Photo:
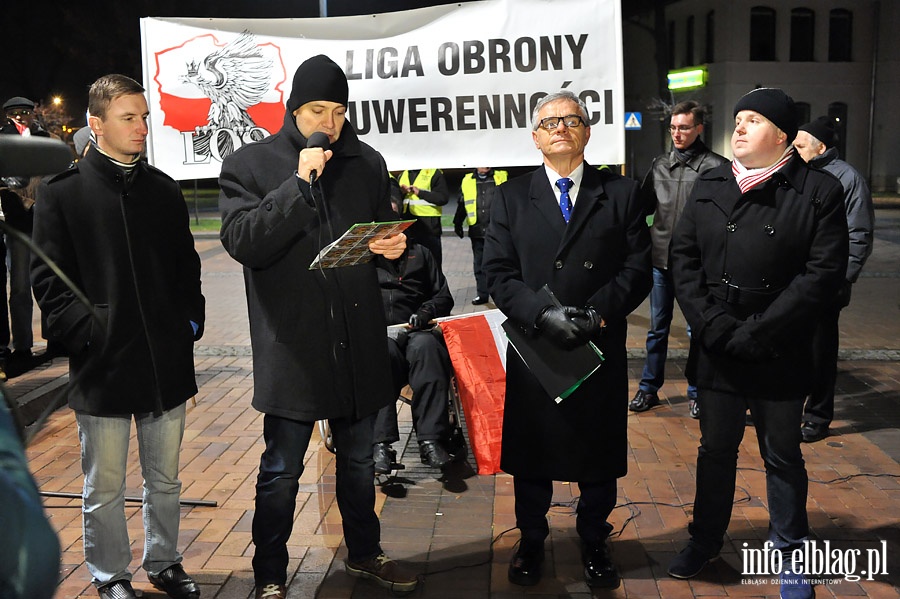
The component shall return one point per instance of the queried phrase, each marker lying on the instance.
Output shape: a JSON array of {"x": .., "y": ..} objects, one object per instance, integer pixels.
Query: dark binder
[{"x": 560, "y": 371}]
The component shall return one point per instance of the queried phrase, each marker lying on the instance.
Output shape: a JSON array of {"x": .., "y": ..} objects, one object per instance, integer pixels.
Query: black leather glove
[
  {"x": 743, "y": 346},
  {"x": 843, "y": 296},
  {"x": 589, "y": 322},
  {"x": 556, "y": 324},
  {"x": 421, "y": 319},
  {"x": 457, "y": 228}
]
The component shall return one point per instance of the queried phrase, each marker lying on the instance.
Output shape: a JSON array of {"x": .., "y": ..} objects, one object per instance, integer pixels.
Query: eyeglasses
[
  {"x": 552, "y": 122},
  {"x": 23, "y": 112},
  {"x": 680, "y": 128}
]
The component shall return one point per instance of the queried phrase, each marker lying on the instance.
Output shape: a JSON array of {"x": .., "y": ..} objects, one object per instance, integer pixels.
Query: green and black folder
[{"x": 560, "y": 371}]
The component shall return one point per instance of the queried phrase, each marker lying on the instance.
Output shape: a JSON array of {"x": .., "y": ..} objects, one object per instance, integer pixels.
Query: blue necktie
[{"x": 565, "y": 202}]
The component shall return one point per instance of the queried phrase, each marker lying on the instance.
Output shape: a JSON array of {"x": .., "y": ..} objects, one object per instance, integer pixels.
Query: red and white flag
[{"x": 477, "y": 347}]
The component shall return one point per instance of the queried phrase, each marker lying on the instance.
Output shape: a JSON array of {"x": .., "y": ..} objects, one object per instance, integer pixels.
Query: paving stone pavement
[{"x": 455, "y": 528}]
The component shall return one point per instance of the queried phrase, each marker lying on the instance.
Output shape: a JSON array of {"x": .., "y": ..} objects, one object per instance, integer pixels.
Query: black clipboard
[{"x": 560, "y": 371}]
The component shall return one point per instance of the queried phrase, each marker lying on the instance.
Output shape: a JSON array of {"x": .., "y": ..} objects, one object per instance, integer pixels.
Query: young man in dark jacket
[
  {"x": 318, "y": 336},
  {"x": 414, "y": 292},
  {"x": 760, "y": 248},
  {"x": 118, "y": 228},
  {"x": 665, "y": 191}
]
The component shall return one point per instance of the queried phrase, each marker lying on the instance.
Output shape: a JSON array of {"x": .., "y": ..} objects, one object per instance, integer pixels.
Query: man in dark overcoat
[
  {"x": 119, "y": 229},
  {"x": 581, "y": 231},
  {"x": 318, "y": 336},
  {"x": 759, "y": 251}
]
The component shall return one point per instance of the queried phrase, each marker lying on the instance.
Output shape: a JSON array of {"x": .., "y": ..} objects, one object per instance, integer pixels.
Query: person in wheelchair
[{"x": 415, "y": 291}]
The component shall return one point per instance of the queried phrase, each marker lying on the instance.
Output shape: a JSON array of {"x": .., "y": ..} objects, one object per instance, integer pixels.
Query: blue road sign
[{"x": 632, "y": 121}]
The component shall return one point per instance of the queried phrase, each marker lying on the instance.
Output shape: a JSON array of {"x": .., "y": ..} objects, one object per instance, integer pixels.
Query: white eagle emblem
[{"x": 234, "y": 78}]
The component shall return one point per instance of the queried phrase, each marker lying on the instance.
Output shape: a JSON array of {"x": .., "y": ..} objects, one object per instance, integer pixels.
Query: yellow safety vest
[
  {"x": 413, "y": 203},
  {"x": 469, "y": 189}
]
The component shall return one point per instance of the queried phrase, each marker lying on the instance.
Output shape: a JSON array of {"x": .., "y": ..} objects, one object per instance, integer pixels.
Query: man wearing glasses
[
  {"x": 580, "y": 231},
  {"x": 664, "y": 191}
]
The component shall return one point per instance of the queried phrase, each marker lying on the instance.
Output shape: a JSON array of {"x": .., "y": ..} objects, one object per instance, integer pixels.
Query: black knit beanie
[
  {"x": 773, "y": 104},
  {"x": 822, "y": 129},
  {"x": 318, "y": 78}
]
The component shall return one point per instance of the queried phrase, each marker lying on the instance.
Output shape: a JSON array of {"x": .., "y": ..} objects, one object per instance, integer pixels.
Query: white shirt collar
[{"x": 575, "y": 176}]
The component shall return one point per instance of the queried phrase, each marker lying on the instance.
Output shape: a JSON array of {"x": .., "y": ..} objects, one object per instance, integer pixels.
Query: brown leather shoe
[
  {"x": 271, "y": 591},
  {"x": 384, "y": 572}
]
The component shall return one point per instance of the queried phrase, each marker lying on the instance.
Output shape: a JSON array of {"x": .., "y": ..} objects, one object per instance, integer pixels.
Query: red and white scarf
[{"x": 748, "y": 178}]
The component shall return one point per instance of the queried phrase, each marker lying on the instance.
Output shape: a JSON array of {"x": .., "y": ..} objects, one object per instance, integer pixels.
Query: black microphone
[{"x": 317, "y": 140}]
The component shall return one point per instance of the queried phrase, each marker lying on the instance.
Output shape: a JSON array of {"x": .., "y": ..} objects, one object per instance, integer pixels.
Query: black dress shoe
[
  {"x": 384, "y": 457},
  {"x": 813, "y": 431},
  {"x": 120, "y": 589},
  {"x": 643, "y": 401},
  {"x": 175, "y": 582},
  {"x": 689, "y": 563},
  {"x": 434, "y": 454},
  {"x": 599, "y": 570},
  {"x": 525, "y": 565},
  {"x": 479, "y": 300}
]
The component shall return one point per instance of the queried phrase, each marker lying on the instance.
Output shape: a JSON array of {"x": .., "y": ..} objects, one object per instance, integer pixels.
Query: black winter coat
[
  {"x": 412, "y": 282},
  {"x": 318, "y": 336},
  {"x": 125, "y": 242},
  {"x": 601, "y": 258},
  {"x": 752, "y": 272}
]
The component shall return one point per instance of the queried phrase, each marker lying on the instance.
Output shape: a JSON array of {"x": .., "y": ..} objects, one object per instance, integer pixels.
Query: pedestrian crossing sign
[{"x": 632, "y": 121}]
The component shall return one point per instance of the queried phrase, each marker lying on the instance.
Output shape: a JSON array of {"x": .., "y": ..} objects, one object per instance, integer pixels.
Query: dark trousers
[
  {"x": 722, "y": 423},
  {"x": 481, "y": 286},
  {"x": 826, "y": 340},
  {"x": 423, "y": 363},
  {"x": 595, "y": 504},
  {"x": 278, "y": 482}
]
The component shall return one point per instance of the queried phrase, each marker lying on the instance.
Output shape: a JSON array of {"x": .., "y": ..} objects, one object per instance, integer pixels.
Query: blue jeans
[
  {"x": 104, "y": 457},
  {"x": 722, "y": 428},
  {"x": 278, "y": 483},
  {"x": 662, "y": 305}
]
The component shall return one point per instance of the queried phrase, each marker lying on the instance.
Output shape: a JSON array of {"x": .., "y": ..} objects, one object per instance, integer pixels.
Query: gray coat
[
  {"x": 318, "y": 337},
  {"x": 859, "y": 208},
  {"x": 601, "y": 258},
  {"x": 665, "y": 191}
]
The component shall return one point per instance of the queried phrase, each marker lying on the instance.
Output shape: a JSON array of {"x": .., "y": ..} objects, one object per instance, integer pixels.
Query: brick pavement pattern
[{"x": 455, "y": 528}]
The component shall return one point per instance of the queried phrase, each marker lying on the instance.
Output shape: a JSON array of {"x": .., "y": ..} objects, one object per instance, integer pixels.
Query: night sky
[{"x": 57, "y": 47}]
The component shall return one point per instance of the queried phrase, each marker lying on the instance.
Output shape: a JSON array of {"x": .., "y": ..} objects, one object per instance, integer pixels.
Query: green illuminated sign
[{"x": 687, "y": 78}]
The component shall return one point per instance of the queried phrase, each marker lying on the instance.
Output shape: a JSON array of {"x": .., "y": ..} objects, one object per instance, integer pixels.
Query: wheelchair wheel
[
  {"x": 457, "y": 444},
  {"x": 326, "y": 434}
]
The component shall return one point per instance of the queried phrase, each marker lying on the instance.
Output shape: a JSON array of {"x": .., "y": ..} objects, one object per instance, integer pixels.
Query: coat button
[
  {"x": 269, "y": 206},
  {"x": 343, "y": 345},
  {"x": 769, "y": 229},
  {"x": 765, "y": 283},
  {"x": 558, "y": 264},
  {"x": 731, "y": 227},
  {"x": 588, "y": 264},
  {"x": 726, "y": 278},
  {"x": 124, "y": 195}
]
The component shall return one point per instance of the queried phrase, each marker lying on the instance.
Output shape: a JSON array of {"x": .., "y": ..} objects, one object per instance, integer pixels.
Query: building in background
[{"x": 835, "y": 57}]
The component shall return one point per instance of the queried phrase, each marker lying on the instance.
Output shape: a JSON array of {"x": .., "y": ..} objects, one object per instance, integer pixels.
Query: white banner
[{"x": 448, "y": 86}]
